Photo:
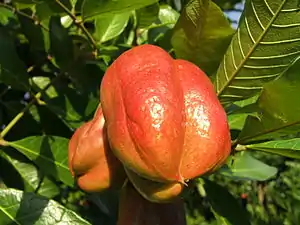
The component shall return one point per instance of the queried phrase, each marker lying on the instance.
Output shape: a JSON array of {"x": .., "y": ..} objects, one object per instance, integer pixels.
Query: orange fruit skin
[
  {"x": 164, "y": 120},
  {"x": 91, "y": 159}
]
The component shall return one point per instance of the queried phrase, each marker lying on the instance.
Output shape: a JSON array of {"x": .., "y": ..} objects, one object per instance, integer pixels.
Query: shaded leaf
[
  {"x": 49, "y": 153},
  {"x": 33, "y": 180},
  {"x": 12, "y": 69},
  {"x": 277, "y": 111},
  {"x": 226, "y": 208},
  {"x": 147, "y": 15},
  {"x": 37, "y": 37},
  {"x": 289, "y": 148},
  {"x": 17, "y": 207},
  {"x": 91, "y": 8},
  {"x": 242, "y": 166},
  {"x": 71, "y": 107},
  {"x": 110, "y": 26},
  {"x": 202, "y": 34},
  {"x": 6, "y": 16},
  {"x": 264, "y": 46},
  {"x": 61, "y": 43},
  {"x": 46, "y": 9}
]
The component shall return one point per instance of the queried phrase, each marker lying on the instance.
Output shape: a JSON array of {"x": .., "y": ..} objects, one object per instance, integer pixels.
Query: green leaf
[
  {"x": 61, "y": 43},
  {"x": 202, "y": 34},
  {"x": 160, "y": 32},
  {"x": 264, "y": 46},
  {"x": 226, "y": 208},
  {"x": 6, "y": 16},
  {"x": 21, "y": 208},
  {"x": 49, "y": 153},
  {"x": 289, "y": 148},
  {"x": 242, "y": 166},
  {"x": 147, "y": 15},
  {"x": 237, "y": 121},
  {"x": 277, "y": 111},
  {"x": 33, "y": 179},
  {"x": 167, "y": 16},
  {"x": 46, "y": 9},
  {"x": 12, "y": 69},
  {"x": 91, "y": 8},
  {"x": 110, "y": 26}
]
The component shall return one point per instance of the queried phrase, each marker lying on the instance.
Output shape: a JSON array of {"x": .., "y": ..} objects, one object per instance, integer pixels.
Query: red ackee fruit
[{"x": 163, "y": 118}]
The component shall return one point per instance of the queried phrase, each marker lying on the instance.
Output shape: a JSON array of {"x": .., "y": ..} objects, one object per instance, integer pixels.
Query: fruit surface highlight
[{"x": 163, "y": 118}]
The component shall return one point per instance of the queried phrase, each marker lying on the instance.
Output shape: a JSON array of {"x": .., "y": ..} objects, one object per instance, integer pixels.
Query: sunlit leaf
[
  {"x": 34, "y": 181},
  {"x": 277, "y": 111},
  {"x": 49, "y": 153},
  {"x": 264, "y": 46},
  {"x": 6, "y": 16},
  {"x": 242, "y": 166},
  {"x": 289, "y": 148},
  {"x": 91, "y": 8},
  {"x": 202, "y": 34},
  {"x": 110, "y": 26},
  {"x": 237, "y": 121},
  {"x": 17, "y": 207}
]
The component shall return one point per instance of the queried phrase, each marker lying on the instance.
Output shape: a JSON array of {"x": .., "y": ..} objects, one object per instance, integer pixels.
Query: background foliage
[{"x": 53, "y": 55}]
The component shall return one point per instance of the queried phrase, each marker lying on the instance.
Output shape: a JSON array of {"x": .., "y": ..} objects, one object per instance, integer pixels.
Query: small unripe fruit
[{"x": 91, "y": 159}]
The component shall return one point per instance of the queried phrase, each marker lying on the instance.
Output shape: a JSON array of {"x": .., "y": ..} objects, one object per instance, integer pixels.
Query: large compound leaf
[
  {"x": 277, "y": 109},
  {"x": 264, "y": 46},
  {"x": 91, "y": 8},
  {"x": 21, "y": 208},
  {"x": 50, "y": 153},
  {"x": 289, "y": 148},
  {"x": 202, "y": 34}
]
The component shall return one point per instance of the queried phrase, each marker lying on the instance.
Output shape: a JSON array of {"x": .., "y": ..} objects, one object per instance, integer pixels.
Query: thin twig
[
  {"x": 33, "y": 18},
  {"x": 79, "y": 24},
  {"x": 36, "y": 98}
]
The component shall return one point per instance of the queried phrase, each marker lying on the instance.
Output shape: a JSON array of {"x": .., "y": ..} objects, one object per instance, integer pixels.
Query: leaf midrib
[
  {"x": 242, "y": 140},
  {"x": 252, "y": 49},
  {"x": 12, "y": 144},
  {"x": 9, "y": 216}
]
